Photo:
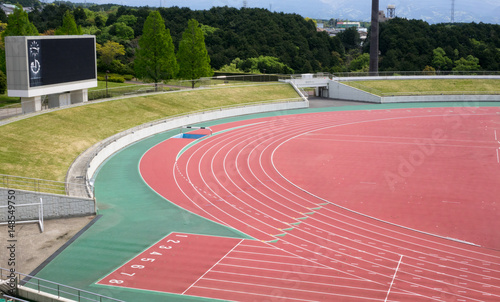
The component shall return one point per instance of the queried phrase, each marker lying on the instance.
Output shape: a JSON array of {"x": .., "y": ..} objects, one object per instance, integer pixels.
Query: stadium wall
[
  {"x": 54, "y": 206},
  {"x": 341, "y": 91}
]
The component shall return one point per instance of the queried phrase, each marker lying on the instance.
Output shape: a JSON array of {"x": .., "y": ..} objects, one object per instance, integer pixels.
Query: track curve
[{"x": 319, "y": 237}]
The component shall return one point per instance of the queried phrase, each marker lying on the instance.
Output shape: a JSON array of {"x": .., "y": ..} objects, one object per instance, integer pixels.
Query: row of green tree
[
  {"x": 408, "y": 45},
  {"x": 257, "y": 40},
  {"x": 155, "y": 57},
  {"x": 230, "y": 34}
]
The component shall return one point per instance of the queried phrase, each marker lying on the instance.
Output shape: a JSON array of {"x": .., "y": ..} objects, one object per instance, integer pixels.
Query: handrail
[
  {"x": 36, "y": 184},
  {"x": 61, "y": 290}
]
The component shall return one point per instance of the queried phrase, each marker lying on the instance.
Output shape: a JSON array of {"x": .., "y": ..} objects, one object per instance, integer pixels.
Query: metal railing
[
  {"x": 136, "y": 89},
  {"x": 10, "y": 110},
  {"x": 390, "y": 74},
  {"x": 130, "y": 90},
  {"x": 53, "y": 288},
  {"x": 36, "y": 184},
  {"x": 416, "y": 73},
  {"x": 16, "y": 108}
]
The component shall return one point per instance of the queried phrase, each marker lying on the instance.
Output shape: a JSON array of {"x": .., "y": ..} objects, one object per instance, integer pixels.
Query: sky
[{"x": 433, "y": 11}]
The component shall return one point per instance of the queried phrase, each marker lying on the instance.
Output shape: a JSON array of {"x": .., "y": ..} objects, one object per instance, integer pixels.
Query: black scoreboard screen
[{"x": 56, "y": 61}]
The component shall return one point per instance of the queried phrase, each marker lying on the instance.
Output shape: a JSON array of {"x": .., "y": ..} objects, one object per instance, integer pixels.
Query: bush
[
  {"x": 111, "y": 78},
  {"x": 128, "y": 77},
  {"x": 3, "y": 82}
]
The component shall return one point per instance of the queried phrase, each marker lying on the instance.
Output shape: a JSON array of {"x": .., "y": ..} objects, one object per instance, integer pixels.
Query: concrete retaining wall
[
  {"x": 341, "y": 91},
  {"x": 440, "y": 98},
  {"x": 54, "y": 206},
  {"x": 173, "y": 123}
]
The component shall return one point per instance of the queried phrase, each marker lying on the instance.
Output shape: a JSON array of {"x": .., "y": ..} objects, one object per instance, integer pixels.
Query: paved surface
[
  {"x": 34, "y": 247},
  {"x": 317, "y": 102}
]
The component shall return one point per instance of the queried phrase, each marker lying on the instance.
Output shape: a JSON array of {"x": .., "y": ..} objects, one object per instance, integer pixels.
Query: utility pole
[
  {"x": 374, "y": 39},
  {"x": 452, "y": 11}
]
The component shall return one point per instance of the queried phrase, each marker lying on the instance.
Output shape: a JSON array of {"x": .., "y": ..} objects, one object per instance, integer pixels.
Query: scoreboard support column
[
  {"x": 79, "y": 96},
  {"x": 31, "y": 104},
  {"x": 59, "y": 100}
]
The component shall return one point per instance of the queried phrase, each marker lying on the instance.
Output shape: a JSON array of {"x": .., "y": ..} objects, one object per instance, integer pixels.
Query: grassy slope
[
  {"x": 44, "y": 146},
  {"x": 415, "y": 87}
]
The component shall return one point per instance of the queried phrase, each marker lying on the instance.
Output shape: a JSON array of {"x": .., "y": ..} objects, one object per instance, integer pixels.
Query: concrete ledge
[{"x": 34, "y": 295}]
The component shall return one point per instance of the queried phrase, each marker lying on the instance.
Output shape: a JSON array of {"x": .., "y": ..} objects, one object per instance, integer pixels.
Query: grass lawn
[
  {"x": 421, "y": 87},
  {"x": 7, "y": 100},
  {"x": 44, "y": 146},
  {"x": 102, "y": 85}
]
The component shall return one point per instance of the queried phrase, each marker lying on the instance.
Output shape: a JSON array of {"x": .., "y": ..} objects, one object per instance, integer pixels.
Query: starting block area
[{"x": 173, "y": 264}]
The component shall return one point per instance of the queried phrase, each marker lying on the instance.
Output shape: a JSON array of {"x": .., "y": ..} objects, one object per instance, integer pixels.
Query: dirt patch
[{"x": 34, "y": 247}]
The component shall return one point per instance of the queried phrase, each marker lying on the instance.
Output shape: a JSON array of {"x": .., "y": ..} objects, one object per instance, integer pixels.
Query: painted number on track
[{"x": 140, "y": 266}]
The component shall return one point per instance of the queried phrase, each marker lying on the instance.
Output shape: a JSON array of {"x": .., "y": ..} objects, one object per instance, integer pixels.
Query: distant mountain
[{"x": 432, "y": 11}]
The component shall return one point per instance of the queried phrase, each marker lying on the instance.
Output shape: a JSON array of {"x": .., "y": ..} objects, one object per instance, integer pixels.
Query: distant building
[
  {"x": 363, "y": 33},
  {"x": 9, "y": 8},
  {"x": 381, "y": 16},
  {"x": 345, "y": 25},
  {"x": 391, "y": 13}
]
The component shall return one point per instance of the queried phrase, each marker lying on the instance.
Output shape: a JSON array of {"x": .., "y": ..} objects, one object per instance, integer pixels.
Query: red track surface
[
  {"x": 173, "y": 264},
  {"x": 294, "y": 182}
]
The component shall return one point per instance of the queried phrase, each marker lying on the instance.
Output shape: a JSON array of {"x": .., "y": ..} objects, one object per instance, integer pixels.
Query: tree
[
  {"x": 440, "y": 61},
  {"x": 3, "y": 82},
  {"x": 429, "y": 70},
  {"x": 361, "y": 63},
  {"x": 80, "y": 15},
  {"x": 121, "y": 31},
  {"x": 194, "y": 62},
  {"x": 18, "y": 25},
  {"x": 3, "y": 16},
  {"x": 129, "y": 20},
  {"x": 109, "y": 51},
  {"x": 155, "y": 59},
  {"x": 69, "y": 26},
  {"x": 99, "y": 21},
  {"x": 350, "y": 38},
  {"x": 263, "y": 64},
  {"x": 470, "y": 63}
]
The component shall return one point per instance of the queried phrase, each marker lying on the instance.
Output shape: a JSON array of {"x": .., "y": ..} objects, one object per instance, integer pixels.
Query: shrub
[
  {"x": 128, "y": 77},
  {"x": 111, "y": 78},
  {"x": 3, "y": 82}
]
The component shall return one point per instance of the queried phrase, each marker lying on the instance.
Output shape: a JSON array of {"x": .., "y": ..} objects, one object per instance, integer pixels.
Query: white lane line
[
  {"x": 496, "y": 136},
  {"x": 212, "y": 267},
  {"x": 287, "y": 289},
  {"x": 274, "y": 262},
  {"x": 393, "y": 277}
]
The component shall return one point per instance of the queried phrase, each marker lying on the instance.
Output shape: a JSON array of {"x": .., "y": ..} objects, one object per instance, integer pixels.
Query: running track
[{"x": 345, "y": 229}]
